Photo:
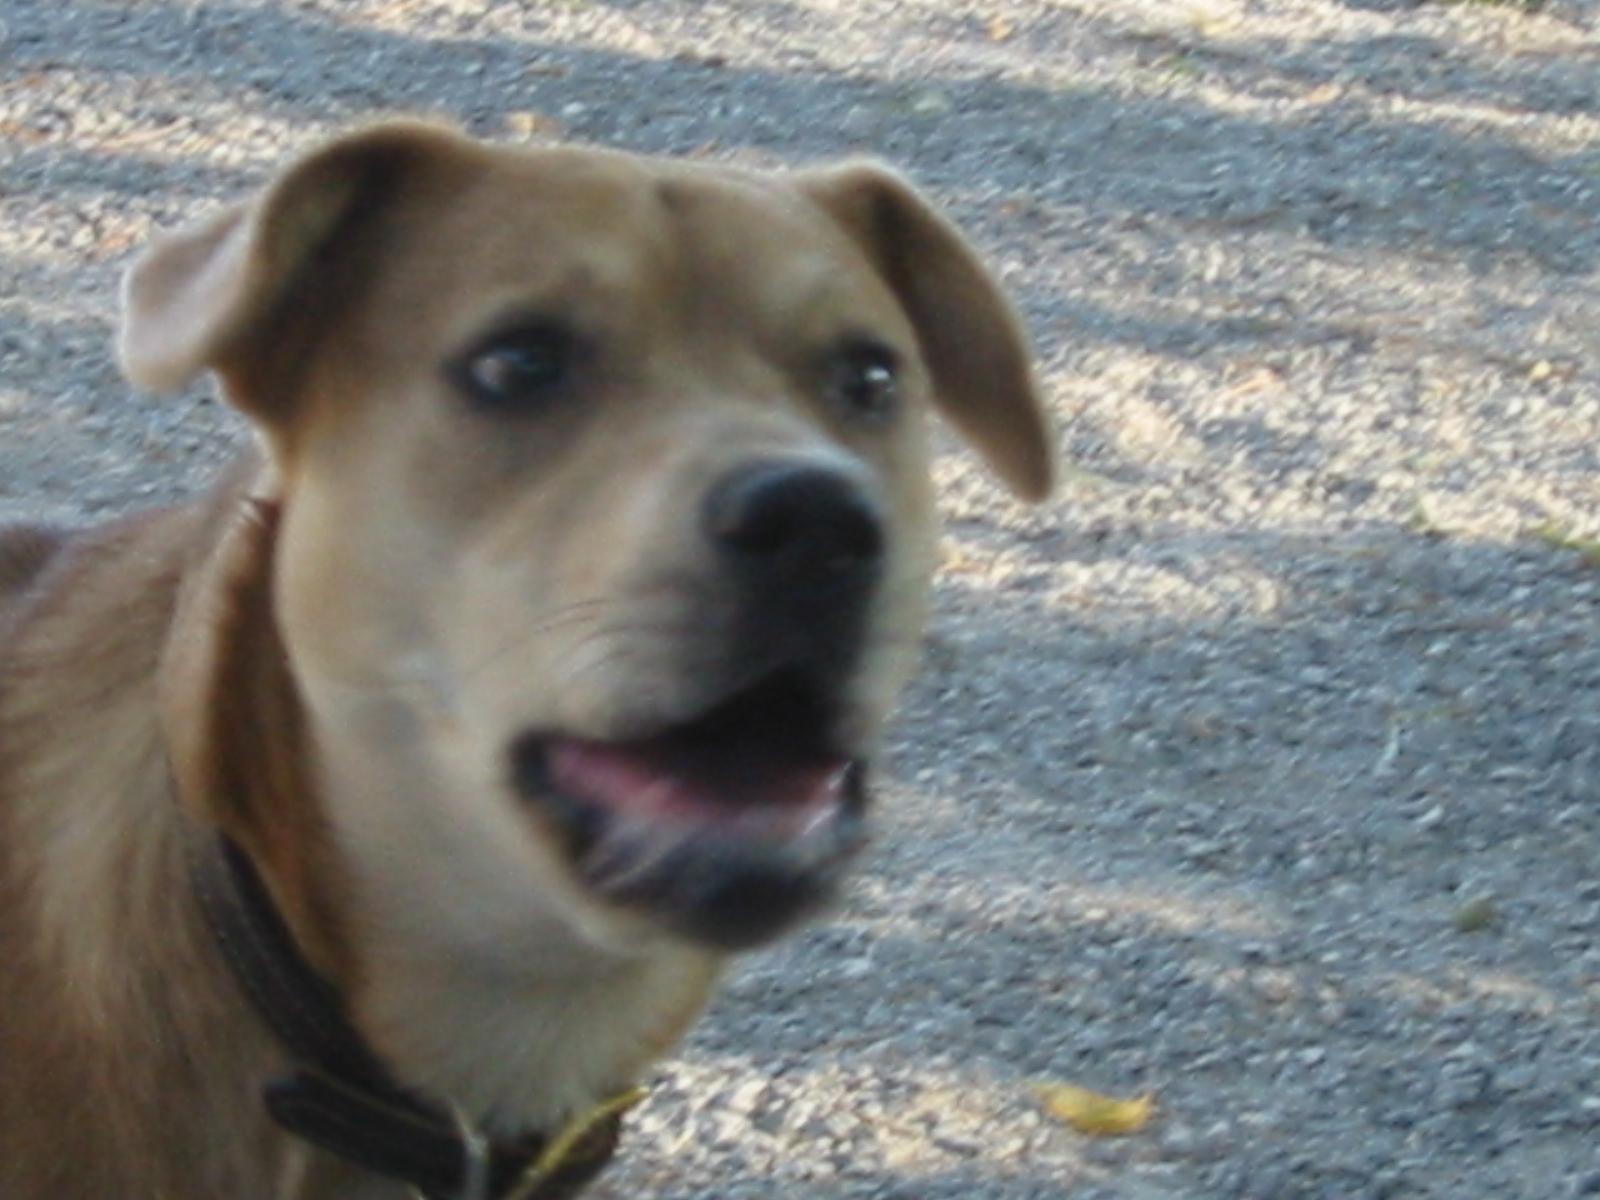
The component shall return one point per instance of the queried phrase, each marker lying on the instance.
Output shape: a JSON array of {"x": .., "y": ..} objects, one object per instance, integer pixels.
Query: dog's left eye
[
  {"x": 518, "y": 368},
  {"x": 864, "y": 380}
]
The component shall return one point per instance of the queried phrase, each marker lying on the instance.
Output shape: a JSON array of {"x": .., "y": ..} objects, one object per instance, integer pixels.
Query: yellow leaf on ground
[
  {"x": 527, "y": 123},
  {"x": 1090, "y": 1112},
  {"x": 1554, "y": 535}
]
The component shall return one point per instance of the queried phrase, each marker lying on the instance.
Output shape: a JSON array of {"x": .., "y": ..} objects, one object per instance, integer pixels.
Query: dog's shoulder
[{"x": 94, "y": 929}]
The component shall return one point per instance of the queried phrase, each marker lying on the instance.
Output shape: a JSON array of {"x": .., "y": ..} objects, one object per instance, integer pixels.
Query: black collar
[{"x": 343, "y": 1099}]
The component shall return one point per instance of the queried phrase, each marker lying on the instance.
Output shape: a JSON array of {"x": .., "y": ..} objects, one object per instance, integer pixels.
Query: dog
[{"x": 370, "y": 823}]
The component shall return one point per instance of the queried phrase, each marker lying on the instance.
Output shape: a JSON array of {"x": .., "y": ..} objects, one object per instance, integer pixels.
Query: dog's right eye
[{"x": 518, "y": 368}]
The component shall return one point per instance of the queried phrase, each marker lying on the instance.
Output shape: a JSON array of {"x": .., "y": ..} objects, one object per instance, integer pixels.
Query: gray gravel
[{"x": 1261, "y": 770}]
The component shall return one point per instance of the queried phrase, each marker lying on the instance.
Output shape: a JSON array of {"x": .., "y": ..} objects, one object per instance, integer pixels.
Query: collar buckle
[{"x": 341, "y": 1097}]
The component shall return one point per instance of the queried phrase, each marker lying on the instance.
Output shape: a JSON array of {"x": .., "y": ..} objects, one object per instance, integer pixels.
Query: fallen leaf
[
  {"x": 28, "y": 135},
  {"x": 528, "y": 123},
  {"x": 1476, "y": 915},
  {"x": 1258, "y": 380},
  {"x": 1092, "y": 1113},
  {"x": 1071, "y": 473},
  {"x": 1423, "y": 521},
  {"x": 1325, "y": 94},
  {"x": 112, "y": 243},
  {"x": 1554, "y": 536},
  {"x": 960, "y": 561}
]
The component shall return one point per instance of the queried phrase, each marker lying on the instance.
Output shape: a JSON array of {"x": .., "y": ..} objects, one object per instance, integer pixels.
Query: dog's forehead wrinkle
[
  {"x": 739, "y": 228},
  {"x": 647, "y": 253},
  {"x": 582, "y": 294}
]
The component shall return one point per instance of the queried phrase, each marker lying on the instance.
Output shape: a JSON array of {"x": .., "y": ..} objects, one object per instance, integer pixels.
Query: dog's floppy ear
[
  {"x": 211, "y": 297},
  {"x": 970, "y": 336}
]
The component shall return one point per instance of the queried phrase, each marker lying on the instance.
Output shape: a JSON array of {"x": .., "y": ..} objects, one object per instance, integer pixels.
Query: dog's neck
[
  {"x": 513, "y": 1018},
  {"x": 471, "y": 987}
]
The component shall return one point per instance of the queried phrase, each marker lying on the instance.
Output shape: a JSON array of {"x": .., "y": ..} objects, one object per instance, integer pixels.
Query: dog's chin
[{"x": 726, "y": 830}]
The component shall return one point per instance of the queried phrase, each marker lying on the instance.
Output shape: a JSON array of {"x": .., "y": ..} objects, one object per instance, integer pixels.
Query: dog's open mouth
[{"x": 727, "y": 828}]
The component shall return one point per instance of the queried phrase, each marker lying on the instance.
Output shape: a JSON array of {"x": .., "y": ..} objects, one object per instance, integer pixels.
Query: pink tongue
[{"x": 647, "y": 782}]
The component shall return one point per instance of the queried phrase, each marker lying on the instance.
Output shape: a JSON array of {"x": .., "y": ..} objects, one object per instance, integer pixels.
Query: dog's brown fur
[
  {"x": 24, "y": 551},
  {"x": 246, "y": 663}
]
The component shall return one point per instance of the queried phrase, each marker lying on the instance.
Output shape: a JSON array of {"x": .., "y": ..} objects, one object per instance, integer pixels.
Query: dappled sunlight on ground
[{"x": 1210, "y": 751}]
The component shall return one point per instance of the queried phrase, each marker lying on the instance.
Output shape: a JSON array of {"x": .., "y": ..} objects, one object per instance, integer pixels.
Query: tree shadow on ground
[
  {"x": 1090, "y": 871},
  {"x": 1244, "y": 819},
  {"x": 1403, "y": 183}
]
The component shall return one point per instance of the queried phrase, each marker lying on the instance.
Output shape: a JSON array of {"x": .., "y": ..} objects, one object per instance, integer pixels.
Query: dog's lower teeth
[
  {"x": 629, "y": 851},
  {"x": 635, "y": 851}
]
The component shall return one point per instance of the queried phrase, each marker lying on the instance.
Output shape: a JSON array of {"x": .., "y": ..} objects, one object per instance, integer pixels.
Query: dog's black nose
[
  {"x": 801, "y": 547},
  {"x": 794, "y": 524}
]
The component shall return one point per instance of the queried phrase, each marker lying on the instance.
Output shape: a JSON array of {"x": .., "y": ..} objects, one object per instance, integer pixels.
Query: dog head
[{"x": 606, "y": 516}]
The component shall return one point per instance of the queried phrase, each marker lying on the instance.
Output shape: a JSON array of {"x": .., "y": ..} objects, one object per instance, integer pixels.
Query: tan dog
[{"x": 532, "y": 664}]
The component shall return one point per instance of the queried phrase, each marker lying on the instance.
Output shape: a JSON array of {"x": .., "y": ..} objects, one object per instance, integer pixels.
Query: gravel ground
[{"x": 1262, "y": 769}]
